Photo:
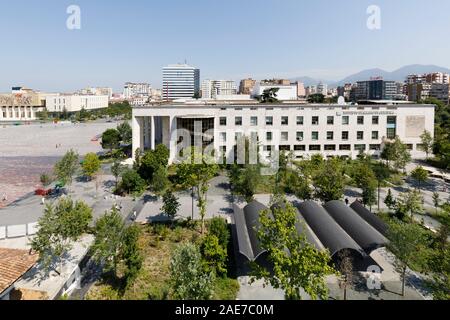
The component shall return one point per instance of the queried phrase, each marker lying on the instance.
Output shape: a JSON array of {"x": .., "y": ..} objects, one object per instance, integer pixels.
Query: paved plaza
[{"x": 27, "y": 151}]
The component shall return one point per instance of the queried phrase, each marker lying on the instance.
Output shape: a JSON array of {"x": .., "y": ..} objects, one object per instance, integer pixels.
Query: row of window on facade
[
  {"x": 330, "y": 135},
  {"x": 327, "y": 147},
  {"x": 360, "y": 120}
]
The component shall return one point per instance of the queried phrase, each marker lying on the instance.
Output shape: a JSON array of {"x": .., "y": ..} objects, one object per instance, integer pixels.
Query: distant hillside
[
  {"x": 396, "y": 75},
  {"x": 307, "y": 81}
]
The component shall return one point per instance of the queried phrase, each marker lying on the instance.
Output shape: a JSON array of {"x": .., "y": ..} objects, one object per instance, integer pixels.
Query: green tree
[
  {"x": 402, "y": 156},
  {"x": 329, "y": 181},
  {"x": 151, "y": 161},
  {"x": 442, "y": 147},
  {"x": 250, "y": 178},
  {"x": 170, "y": 204},
  {"x": 269, "y": 95},
  {"x": 62, "y": 224},
  {"x": 131, "y": 254},
  {"x": 436, "y": 201},
  {"x": 111, "y": 139},
  {"x": 125, "y": 132},
  {"x": 389, "y": 201},
  {"x": 218, "y": 226},
  {"x": 132, "y": 182},
  {"x": 427, "y": 142},
  {"x": 83, "y": 115},
  {"x": 369, "y": 193},
  {"x": 406, "y": 242},
  {"x": 366, "y": 180},
  {"x": 45, "y": 179},
  {"x": 198, "y": 174},
  {"x": 91, "y": 165},
  {"x": 106, "y": 249},
  {"x": 440, "y": 267},
  {"x": 316, "y": 98},
  {"x": 420, "y": 175},
  {"x": 296, "y": 263},
  {"x": 388, "y": 153},
  {"x": 64, "y": 114},
  {"x": 188, "y": 279},
  {"x": 299, "y": 184},
  {"x": 214, "y": 255},
  {"x": 382, "y": 173},
  {"x": 160, "y": 181},
  {"x": 409, "y": 202},
  {"x": 66, "y": 168},
  {"x": 116, "y": 169}
]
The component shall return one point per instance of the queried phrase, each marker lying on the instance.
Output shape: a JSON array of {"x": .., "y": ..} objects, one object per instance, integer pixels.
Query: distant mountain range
[{"x": 396, "y": 75}]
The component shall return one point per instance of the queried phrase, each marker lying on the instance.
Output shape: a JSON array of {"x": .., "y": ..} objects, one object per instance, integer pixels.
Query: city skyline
[{"x": 122, "y": 42}]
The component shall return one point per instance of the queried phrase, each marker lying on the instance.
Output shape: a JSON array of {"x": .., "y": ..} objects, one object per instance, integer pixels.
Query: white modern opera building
[{"x": 304, "y": 129}]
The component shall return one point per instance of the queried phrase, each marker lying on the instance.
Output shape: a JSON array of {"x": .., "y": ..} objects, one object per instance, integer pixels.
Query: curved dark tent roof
[
  {"x": 369, "y": 217},
  {"x": 332, "y": 236},
  {"x": 363, "y": 233},
  {"x": 247, "y": 224},
  {"x": 303, "y": 228}
]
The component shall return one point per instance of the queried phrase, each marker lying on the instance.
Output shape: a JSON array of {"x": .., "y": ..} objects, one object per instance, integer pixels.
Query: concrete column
[
  {"x": 172, "y": 138},
  {"x": 138, "y": 127},
  {"x": 152, "y": 133},
  {"x": 146, "y": 133}
]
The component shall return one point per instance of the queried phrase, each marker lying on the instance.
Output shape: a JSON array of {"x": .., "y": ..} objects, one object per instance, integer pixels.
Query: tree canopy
[
  {"x": 108, "y": 240},
  {"x": 269, "y": 95},
  {"x": 63, "y": 223},
  {"x": 189, "y": 280},
  {"x": 296, "y": 263},
  {"x": 328, "y": 181},
  {"x": 406, "y": 242},
  {"x": 198, "y": 175},
  {"x": 111, "y": 139},
  {"x": 125, "y": 132},
  {"x": 91, "y": 165},
  {"x": 66, "y": 168}
]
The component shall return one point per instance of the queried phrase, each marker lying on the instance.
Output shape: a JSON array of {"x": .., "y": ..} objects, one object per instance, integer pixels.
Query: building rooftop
[
  {"x": 13, "y": 265},
  {"x": 192, "y": 103}
]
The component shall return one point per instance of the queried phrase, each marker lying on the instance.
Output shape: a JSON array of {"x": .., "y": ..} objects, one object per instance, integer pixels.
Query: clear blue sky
[{"x": 231, "y": 39}]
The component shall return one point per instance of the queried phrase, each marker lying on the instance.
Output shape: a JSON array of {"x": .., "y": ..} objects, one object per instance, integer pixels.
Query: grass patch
[
  {"x": 226, "y": 289},
  {"x": 157, "y": 242}
]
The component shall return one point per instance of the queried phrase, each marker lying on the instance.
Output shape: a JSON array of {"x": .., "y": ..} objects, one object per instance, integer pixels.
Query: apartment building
[
  {"x": 246, "y": 86},
  {"x": 133, "y": 89},
  {"x": 423, "y": 91},
  {"x": 213, "y": 88}
]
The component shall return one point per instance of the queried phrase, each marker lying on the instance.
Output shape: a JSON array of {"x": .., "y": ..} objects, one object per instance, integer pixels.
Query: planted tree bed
[{"x": 158, "y": 242}]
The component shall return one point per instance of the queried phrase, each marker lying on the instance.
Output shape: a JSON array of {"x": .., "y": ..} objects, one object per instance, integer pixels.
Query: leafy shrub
[
  {"x": 219, "y": 227},
  {"x": 177, "y": 234},
  {"x": 189, "y": 280},
  {"x": 214, "y": 255},
  {"x": 132, "y": 182},
  {"x": 161, "y": 231}
]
